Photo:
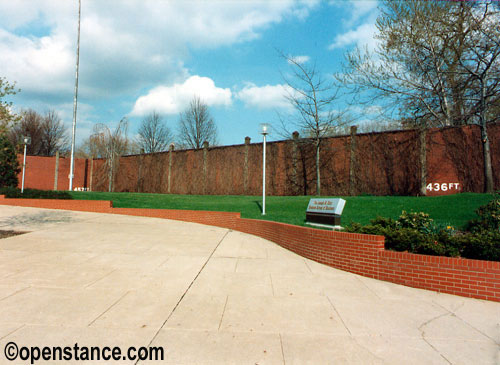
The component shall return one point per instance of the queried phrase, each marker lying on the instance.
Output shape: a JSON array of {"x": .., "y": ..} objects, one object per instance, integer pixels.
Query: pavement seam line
[
  {"x": 11, "y": 332},
  {"x": 367, "y": 287},
  {"x": 272, "y": 286},
  {"x": 355, "y": 339},
  {"x": 97, "y": 280},
  {"x": 282, "y": 351},
  {"x": 223, "y": 311},
  {"x": 185, "y": 292},
  {"x": 467, "y": 323},
  {"x": 18, "y": 291},
  {"x": 422, "y": 334},
  {"x": 163, "y": 262},
  {"x": 307, "y": 265},
  {"x": 106, "y": 311},
  {"x": 338, "y": 314}
]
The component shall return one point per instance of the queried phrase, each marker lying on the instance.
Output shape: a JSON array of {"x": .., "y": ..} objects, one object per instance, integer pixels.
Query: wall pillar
[
  {"x": 352, "y": 162},
  {"x": 56, "y": 173},
  {"x": 139, "y": 186},
  {"x": 423, "y": 160},
  {"x": 295, "y": 162},
  {"x": 91, "y": 172},
  {"x": 170, "y": 153},
  {"x": 245, "y": 166},
  {"x": 205, "y": 166}
]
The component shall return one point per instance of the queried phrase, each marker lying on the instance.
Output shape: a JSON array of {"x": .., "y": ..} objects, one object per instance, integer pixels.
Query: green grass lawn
[{"x": 453, "y": 210}]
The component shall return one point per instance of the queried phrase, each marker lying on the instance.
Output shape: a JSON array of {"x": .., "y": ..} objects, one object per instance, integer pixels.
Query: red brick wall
[
  {"x": 384, "y": 164},
  {"x": 388, "y": 163},
  {"x": 456, "y": 156},
  {"x": 40, "y": 173},
  {"x": 464, "y": 277},
  {"x": 358, "y": 253}
]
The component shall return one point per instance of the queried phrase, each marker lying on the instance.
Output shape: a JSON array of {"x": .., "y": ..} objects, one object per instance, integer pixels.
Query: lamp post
[
  {"x": 264, "y": 130},
  {"x": 26, "y": 141}
]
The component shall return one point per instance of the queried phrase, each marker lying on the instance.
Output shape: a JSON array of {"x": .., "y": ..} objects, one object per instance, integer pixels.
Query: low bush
[
  {"x": 480, "y": 245},
  {"x": 489, "y": 217},
  {"x": 416, "y": 232},
  {"x": 34, "y": 194}
]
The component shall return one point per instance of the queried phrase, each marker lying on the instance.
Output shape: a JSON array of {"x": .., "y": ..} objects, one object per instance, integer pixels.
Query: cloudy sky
[{"x": 139, "y": 56}]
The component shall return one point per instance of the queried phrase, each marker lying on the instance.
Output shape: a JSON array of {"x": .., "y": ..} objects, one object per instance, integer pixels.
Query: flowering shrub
[
  {"x": 419, "y": 221},
  {"x": 416, "y": 232}
]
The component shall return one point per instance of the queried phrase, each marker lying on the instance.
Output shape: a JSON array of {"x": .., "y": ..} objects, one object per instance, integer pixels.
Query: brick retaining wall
[
  {"x": 357, "y": 253},
  {"x": 97, "y": 206}
]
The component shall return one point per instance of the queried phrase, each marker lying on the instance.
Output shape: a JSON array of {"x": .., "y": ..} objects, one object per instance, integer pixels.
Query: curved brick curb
[{"x": 357, "y": 253}]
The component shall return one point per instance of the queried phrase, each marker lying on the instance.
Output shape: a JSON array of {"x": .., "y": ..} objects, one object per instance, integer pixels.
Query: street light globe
[{"x": 264, "y": 128}]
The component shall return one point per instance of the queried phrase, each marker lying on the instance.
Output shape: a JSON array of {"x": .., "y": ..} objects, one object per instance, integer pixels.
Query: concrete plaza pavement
[{"x": 212, "y": 295}]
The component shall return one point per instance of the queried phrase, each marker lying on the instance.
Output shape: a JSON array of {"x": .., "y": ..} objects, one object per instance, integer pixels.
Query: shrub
[
  {"x": 417, "y": 233},
  {"x": 480, "y": 246},
  {"x": 377, "y": 226},
  {"x": 489, "y": 217},
  {"x": 419, "y": 221},
  {"x": 384, "y": 222},
  {"x": 34, "y": 194},
  {"x": 452, "y": 246},
  {"x": 403, "y": 239}
]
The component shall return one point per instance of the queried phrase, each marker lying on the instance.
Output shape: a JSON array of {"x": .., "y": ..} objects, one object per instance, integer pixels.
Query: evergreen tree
[{"x": 9, "y": 166}]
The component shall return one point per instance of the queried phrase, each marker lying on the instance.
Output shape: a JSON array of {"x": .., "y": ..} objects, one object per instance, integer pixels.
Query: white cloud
[
  {"x": 373, "y": 110},
  {"x": 363, "y": 35},
  {"x": 359, "y": 24},
  {"x": 173, "y": 99},
  {"x": 265, "y": 97},
  {"x": 45, "y": 62},
  {"x": 299, "y": 59},
  {"x": 362, "y": 8},
  {"x": 125, "y": 44},
  {"x": 17, "y": 14},
  {"x": 358, "y": 9},
  {"x": 367, "y": 110}
]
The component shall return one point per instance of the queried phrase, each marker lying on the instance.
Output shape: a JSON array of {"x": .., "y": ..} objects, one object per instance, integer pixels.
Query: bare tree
[
  {"x": 83, "y": 149},
  {"x": 409, "y": 69},
  {"x": 47, "y": 132},
  {"x": 481, "y": 65},
  {"x": 196, "y": 125},
  {"x": 154, "y": 135},
  {"x": 110, "y": 145},
  {"x": 312, "y": 97},
  {"x": 54, "y": 137},
  {"x": 429, "y": 65},
  {"x": 29, "y": 125}
]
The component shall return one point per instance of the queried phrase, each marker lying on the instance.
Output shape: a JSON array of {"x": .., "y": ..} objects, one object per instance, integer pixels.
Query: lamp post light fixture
[
  {"x": 26, "y": 140},
  {"x": 264, "y": 130}
]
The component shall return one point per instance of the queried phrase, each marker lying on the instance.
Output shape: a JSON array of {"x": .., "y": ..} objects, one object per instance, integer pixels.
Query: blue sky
[{"x": 137, "y": 56}]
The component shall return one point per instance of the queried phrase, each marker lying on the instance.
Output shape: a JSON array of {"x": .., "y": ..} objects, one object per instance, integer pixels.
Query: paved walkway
[{"x": 211, "y": 295}]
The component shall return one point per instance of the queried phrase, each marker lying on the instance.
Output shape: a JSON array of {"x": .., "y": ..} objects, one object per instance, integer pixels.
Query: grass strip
[{"x": 455, "y": 210}]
